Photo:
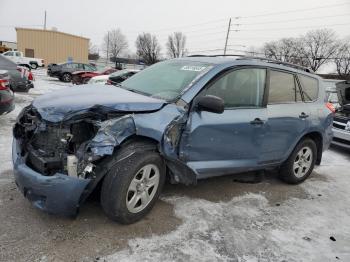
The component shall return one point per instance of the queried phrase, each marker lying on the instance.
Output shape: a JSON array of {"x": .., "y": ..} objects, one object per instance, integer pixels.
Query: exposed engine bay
[{"x": 59, "y": 147}]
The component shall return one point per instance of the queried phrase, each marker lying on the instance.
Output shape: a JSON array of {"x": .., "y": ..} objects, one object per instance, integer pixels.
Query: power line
[
  {"x": 293, "y": 20},
  {"x": 246, "y": 17},
  {"x": 296, "y": 10},
  {"x": 292, "y": 28}
]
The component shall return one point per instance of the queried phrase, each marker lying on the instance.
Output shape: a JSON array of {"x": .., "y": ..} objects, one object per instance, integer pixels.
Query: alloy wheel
[
  {"x": 142, "y": 188},
  {"x": 302, "y": 162}
]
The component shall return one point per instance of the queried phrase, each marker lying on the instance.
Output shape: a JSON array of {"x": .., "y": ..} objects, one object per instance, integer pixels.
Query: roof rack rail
[
  {"x": 268, "y": 60},
  {"x": 214, "y": 55}
]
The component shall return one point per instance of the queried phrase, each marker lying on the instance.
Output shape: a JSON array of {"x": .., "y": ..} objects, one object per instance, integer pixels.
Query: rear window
[
  {"x": 310, "y": 88},
  {"x": 283, "y": 88}
]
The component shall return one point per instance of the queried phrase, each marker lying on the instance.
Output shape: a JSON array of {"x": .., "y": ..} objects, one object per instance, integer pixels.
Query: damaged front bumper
[{"x": 57, "y": 194}]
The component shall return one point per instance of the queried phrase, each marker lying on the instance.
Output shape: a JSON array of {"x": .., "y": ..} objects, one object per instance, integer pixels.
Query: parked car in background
[
  {"x": 64, "y": 72},
  {"x": 21, "y": 79},
  {"x": 187, "y": 119},
  {"x": 121, "y": 75},
  {"x": 102, "y": 80},
  {"x": 6, "y": 94},
  {"x": 341, "y": 122},
  {"x": 19, "y": 59},
  {"x": 83, "y": 77}
]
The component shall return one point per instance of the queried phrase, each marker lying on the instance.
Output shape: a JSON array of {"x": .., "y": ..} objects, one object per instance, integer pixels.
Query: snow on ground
[{"x": 248, "y": 228}]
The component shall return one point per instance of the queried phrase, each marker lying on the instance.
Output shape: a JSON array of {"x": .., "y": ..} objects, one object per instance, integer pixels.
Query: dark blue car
[{"x": 185, "y": 119}]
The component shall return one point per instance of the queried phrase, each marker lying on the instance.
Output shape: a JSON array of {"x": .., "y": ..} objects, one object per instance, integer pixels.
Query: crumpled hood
[{"x": 56, "y": 106}]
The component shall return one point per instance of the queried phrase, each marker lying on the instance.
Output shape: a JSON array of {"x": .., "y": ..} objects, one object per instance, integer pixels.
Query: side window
[
  {"x": 240, "y": 88},
  {"x": 8, "y": 54},
  {"x": 69, "y": 65},
  {"x": 76, "y": 66},
  {"x": 87, "y": 67},
  {"x": 310, "y": 87},
  {"x": 18, "y": 54},
  {"x": 283, "y": 88}
]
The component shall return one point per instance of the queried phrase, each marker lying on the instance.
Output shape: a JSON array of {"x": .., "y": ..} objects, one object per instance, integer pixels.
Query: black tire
[
  {"x": 34, "y": 65},
  {"x": 287, "y": 170},
  {"x": 117, "y": 181},
  {"x": 66, "y": 77}
]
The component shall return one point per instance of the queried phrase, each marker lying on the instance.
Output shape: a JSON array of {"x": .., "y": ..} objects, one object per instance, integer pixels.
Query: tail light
[
  {"x": 30, "y": 76},
  {"x": 4, "y": 84},
  {"x": 331, "y": 107},
  {"x": 42, "y": 61}
]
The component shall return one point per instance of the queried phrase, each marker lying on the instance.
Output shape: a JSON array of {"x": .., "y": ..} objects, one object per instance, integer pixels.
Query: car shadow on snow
[{"x": 224, "y": 188}]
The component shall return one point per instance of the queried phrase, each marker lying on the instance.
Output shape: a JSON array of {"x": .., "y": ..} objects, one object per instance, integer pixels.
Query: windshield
[{"x": 166, "y": 80}]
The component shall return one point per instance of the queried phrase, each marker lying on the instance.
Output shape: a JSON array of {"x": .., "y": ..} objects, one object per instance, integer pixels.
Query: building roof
[{"x": 51, "y": 31}]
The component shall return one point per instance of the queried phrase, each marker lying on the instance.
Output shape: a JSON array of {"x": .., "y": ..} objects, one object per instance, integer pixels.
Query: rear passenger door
[{"x": 287, "y": 116}]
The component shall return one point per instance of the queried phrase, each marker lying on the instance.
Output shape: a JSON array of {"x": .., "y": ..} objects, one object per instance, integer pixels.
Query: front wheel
[
  {"x": 132, "y": 186},
  {"x": 300, "y": 163}
]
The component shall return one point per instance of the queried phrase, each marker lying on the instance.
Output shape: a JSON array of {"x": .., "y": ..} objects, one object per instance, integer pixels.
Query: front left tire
[{"x": 132, "y": 186}]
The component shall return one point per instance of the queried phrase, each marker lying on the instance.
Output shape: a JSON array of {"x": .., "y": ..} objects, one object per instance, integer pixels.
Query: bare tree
[
  {"x": 342, "y": 60},
  {"x": 176, "y": 45},
  {"x": 285, "y": 50},
  {"x": 148, "y": 48},
  {"x": 114, "y": 43},
  {"x": 317, "y": 47}
]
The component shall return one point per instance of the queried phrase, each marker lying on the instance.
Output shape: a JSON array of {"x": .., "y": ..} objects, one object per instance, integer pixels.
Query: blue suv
[{"x": 182, "y": 119}]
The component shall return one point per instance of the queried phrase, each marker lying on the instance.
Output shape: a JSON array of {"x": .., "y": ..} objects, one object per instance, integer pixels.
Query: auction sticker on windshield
[{"x": 193, "y": 68}]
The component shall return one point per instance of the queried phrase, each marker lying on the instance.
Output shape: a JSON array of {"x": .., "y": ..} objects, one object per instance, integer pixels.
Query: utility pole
[
  {"x": 227, "y": 35},
  {"x": 45, "y": 21},
  {"x": 107, "y": 47}
]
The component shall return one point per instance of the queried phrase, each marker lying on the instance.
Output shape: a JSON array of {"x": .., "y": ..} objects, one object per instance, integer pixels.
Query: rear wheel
[
  {"x": 34, "y": 65},
  {"x": 132, "y": 186},
  {"x": 300, "y": 163}
]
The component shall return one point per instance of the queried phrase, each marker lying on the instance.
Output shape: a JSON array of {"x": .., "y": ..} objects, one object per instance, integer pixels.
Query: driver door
[{"x": 217, "y": 144}]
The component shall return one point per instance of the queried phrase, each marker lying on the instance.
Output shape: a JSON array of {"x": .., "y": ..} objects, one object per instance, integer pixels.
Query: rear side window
[
  {"x": 310, "y": 88},
  {"x": 283, "y": 88}
]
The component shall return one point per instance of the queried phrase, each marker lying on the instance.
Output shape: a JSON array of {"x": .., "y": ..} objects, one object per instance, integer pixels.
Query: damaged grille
[{"x": 46, "y": 145}]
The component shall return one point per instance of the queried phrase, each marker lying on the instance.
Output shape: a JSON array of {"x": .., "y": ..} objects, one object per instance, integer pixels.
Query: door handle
[
  {"x": 303, "y": 115},
  {"x": 257, "y": 121}
]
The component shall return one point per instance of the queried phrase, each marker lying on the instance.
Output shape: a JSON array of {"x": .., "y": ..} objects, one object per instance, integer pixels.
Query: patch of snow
[{"x": 248, "y": 228}]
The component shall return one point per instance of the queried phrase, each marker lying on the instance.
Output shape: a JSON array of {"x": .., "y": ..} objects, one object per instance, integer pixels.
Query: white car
[
  {"x": 19, "y": 59},
  {"x": 102, "y": 80}
]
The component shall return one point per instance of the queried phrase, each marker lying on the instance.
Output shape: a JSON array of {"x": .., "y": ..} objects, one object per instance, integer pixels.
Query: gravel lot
[{"x": 217, "y": 220}]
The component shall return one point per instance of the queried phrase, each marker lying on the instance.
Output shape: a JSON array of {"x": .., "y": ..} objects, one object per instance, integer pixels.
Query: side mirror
[{"x": 211, "y": 103}]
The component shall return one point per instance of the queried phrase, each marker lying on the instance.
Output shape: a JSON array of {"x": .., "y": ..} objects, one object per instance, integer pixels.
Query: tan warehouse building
[{"x": 52, "y": 46}]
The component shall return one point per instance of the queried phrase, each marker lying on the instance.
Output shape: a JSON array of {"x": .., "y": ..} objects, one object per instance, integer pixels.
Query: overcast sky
[{"x": 203, "y": 21}]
